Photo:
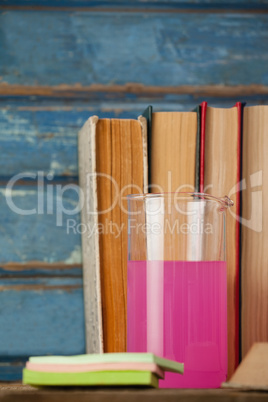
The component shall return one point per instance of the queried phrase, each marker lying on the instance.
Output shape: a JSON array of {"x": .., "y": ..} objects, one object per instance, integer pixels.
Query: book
[
  {"x": 173, "y": 149},
  {"x": 173, "y": 155},
  {"x": 103, "y": 358},
  {"x": 252, "y": 373},
  {"x": 112, "y": 164},
  {"x": 219, "y": 176},
  {"x": 254, "y": 267},
  {"x": 98, "y": 378}
]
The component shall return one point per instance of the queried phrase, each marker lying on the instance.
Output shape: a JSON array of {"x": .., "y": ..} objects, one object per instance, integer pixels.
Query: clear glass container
[{"x": 177, "y": 284}]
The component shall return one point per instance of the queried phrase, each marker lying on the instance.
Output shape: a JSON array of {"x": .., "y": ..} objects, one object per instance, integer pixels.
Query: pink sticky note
[{"x": 78, "y": 368}]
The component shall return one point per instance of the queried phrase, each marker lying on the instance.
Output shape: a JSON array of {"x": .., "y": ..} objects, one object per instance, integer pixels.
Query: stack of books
[{"x": 107, "y": 369}]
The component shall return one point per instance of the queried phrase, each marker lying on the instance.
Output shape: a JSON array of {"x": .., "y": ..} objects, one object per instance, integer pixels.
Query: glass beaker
[{"x": 177, "y": 284}]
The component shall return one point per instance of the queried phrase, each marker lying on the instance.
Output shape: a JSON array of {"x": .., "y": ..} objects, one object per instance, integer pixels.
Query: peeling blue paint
[
  {"x": 165, "y": 49},
  {"x": 40, "y": 236}
]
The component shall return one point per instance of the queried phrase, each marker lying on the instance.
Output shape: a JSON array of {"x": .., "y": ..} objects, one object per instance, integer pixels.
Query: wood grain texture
[
  {"x": 24, "y": 393},
  {"x": 41, "y": 316},
  {"x": 39, "y": 268},
  {"x": 41, "y": 295},
  {"x": 43, "y": 140},
  {"x": 42, "y": 132},
  {"x": 254, "y": 267},
  {"x": 11, "y": 371},
  {"x": 142, "y": 4},
  {"x": 129, "y": 90},
  {"x": 41, "y": 236},
  {"x": 83, "y": 47}
]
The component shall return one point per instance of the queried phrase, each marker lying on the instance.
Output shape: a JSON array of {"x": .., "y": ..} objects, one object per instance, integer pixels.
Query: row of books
[{"x": 213, "y": 150}]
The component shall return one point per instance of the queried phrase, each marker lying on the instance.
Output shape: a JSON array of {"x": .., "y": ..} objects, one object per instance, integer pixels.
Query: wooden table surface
[{"x": 17, "y": 392}]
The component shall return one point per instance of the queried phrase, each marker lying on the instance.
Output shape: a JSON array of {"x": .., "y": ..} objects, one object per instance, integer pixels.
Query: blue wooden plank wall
[
  {"x": 142, "y": 4},
  {"x": 60, "y": 62}
]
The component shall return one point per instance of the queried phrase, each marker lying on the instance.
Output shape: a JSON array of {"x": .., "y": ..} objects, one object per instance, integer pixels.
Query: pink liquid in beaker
[{"x": 178, "y": 310}]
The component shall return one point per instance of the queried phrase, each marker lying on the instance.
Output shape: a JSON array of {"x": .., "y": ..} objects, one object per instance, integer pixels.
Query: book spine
[
  {"x": 90, "y": 245},
  {"x": 237, "y": 240},
  {"x": 240, "y": 109},
  {"x": 148, "y": 112},
  {"x": 144, "y": 131},
  {"x": 197, "y": 110}
]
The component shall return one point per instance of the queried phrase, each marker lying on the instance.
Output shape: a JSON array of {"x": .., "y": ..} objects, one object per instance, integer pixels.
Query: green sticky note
[{"x": 92, "y": 378}]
